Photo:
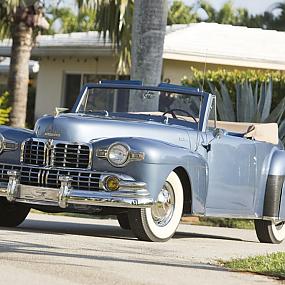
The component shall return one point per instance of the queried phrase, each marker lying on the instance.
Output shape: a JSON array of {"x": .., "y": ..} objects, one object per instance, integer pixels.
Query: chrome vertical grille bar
[{"x": 58, "y": 154}]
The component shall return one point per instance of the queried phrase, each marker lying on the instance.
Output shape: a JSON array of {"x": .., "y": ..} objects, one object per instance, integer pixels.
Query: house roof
[
  {"x": 5, "y": 64},
  {"x": 210, "y": 42},
  {"x": 80, "y": 44},
  {"x": 227, "y": 45}
]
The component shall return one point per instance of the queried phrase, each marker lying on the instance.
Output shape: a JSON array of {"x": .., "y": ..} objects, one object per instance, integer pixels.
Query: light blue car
[{"x": 147, "y": 154}]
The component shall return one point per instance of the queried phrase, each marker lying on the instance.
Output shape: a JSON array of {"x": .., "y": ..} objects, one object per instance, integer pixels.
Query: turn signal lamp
[{"x": 112, "y": 183}]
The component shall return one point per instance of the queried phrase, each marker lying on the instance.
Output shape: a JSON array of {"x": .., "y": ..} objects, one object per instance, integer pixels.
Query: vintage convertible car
[{"x": 147, "y": 154}]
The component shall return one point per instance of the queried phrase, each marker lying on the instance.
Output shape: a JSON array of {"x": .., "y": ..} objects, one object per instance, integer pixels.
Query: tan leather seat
[
  {"x": 264, "y": 132},
  {"x": 261, "y": 132}
]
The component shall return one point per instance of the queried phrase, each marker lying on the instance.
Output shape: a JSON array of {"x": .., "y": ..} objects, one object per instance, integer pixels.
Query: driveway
[{"x": 63, "y": 250}]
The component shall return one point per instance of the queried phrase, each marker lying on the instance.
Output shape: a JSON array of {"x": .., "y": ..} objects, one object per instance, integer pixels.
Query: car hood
[{"x": 86, "y": 128}]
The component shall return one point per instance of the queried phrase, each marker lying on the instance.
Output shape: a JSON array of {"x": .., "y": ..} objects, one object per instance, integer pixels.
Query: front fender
[
  {"x": 160, "y": 159},
  {"x": 156, "y": 151},
  {"x": 16, "y": 135}
]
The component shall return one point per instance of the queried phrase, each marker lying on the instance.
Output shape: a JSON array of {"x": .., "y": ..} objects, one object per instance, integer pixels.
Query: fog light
[{"x": 112, "y": 183}]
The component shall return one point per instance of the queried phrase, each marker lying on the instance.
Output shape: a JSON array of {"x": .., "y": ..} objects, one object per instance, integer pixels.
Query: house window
[
  {"x": 71, "y": 90},
  {"x": 73, "y": 83}
]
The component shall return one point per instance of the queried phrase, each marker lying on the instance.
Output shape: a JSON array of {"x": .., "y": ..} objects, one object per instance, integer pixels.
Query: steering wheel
[{"x": 172, "y": 113}]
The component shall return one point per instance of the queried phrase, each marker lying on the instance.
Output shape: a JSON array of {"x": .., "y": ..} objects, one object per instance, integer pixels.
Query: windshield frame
[{"x": 163, "y": 87}]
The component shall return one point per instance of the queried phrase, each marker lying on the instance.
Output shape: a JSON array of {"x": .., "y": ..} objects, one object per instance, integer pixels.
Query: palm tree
[
  {"x": 69, "y": 21},
  {"x": 148, "y": 34},
  {"x": 116, "y": 19},
  {"x": 278, "y": 22},
  {"x": 20, "y": 20}
]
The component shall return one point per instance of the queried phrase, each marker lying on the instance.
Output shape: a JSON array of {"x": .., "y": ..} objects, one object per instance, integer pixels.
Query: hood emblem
[{"x": 50, "y": 132}]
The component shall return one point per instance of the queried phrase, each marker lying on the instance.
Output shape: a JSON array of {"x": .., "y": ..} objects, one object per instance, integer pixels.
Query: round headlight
[{"x": 118, "y": 154}]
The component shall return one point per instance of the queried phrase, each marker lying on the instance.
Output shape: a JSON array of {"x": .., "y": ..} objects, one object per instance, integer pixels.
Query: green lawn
[{"x": 271, "y": 264}]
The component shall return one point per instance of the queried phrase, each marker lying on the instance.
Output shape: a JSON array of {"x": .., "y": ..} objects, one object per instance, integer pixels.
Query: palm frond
[
  {"x": 7, "y": 9},
  {"x": 113, "y": 21}
]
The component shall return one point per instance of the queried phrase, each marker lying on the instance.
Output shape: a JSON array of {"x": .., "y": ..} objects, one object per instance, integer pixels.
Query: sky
[{"x": 254, "y": 6}]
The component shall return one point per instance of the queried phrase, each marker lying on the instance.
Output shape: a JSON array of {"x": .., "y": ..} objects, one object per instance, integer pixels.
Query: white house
[{"x": 69, "y": 60}]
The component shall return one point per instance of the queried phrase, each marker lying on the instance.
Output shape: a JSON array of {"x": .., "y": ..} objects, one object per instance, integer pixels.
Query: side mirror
[
  {"x": 218, "y": 133},
  {"x": 59, "y": 110}
]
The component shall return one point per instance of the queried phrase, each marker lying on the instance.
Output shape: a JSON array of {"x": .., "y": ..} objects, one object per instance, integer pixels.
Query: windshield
[{"x": 120, "y": 102}]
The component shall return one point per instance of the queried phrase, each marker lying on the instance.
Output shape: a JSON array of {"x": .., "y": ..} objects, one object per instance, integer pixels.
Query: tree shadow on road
[
  {"x": 54, "y": 227},
  {"x": 26, "y": 251},
  {"x": 105, "y": 231},
  {"x": 179, "y": 235}
]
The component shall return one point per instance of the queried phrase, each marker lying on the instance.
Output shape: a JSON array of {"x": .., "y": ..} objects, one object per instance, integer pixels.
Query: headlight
[{"x": 118, "y": 154}]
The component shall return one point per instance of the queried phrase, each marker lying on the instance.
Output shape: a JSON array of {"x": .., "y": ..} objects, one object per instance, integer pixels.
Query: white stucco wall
[
  {"x": 175, "y": 70},
  {"x": 3, "y": 78},
  {"x": 50, "y": 83}
]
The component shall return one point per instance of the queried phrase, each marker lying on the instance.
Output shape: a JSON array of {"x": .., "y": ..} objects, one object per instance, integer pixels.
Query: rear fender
[{"x": 274, "y": 200}]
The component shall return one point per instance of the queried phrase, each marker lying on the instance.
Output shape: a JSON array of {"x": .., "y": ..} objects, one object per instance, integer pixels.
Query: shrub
[
  {"x": 245, "y": 96},
  {"x": 4, "y": 109}
]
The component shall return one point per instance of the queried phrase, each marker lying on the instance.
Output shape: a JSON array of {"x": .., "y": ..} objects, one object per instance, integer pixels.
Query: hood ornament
[{"x": 59, "y": 110}]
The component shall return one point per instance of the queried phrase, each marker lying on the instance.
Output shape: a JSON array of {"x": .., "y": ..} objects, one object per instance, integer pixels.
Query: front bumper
[{"x": 131, "y": 194}]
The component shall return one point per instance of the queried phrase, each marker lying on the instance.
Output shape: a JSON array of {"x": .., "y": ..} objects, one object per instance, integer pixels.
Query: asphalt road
[{"x": 62, "y": 250}]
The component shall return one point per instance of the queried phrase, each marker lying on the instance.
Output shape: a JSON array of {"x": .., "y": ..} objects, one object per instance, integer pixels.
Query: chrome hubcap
[{"x": 163, "y": 209}]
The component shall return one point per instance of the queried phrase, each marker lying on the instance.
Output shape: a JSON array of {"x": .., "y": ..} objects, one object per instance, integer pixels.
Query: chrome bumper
[{"x": 131, "y": 194}]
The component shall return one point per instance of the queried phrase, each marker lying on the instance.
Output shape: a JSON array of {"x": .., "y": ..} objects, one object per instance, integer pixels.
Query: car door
[{"x": 232, "y": 176}]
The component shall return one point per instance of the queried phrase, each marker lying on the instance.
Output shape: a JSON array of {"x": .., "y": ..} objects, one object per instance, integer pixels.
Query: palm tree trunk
[
  {"x": 148, "y": 32},
  {"x": 18, "y": 80}
]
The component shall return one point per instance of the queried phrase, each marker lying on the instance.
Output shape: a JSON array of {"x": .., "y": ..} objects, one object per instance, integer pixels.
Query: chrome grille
[
  {"x": 81, "y": 180},
  {"x": 33, "y": 152},
  {"x": 56, "y": 154},
  {"x": 3, "y": 171},
  {"x": 70, "y": 155}
]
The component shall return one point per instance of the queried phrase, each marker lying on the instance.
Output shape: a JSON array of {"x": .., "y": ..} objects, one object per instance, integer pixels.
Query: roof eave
[
  {"x": 64, "y": 51},
  {"x": 226, "y": 60}
]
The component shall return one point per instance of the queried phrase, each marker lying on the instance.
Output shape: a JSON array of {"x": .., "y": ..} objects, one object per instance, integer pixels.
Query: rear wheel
[
  {"x": 160, "y": 222},
  {"x": 270, "y": 232},
  {"x": 123, "y": 220},
  {"x": 12, "y": 214}
]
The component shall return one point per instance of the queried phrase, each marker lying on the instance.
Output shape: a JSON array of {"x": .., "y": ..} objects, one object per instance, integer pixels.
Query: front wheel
[
  {"x": 12, "y": 214},
  {"x": 160, "y": 222},
  {"x": 123, "y": 221},
  {"x": 270, "y": 232}
]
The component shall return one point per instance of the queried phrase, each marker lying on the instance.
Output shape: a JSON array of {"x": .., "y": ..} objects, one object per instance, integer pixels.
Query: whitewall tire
[
  {"x": 160, "y": 222},
  {"x": 269, "y": 231}
]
